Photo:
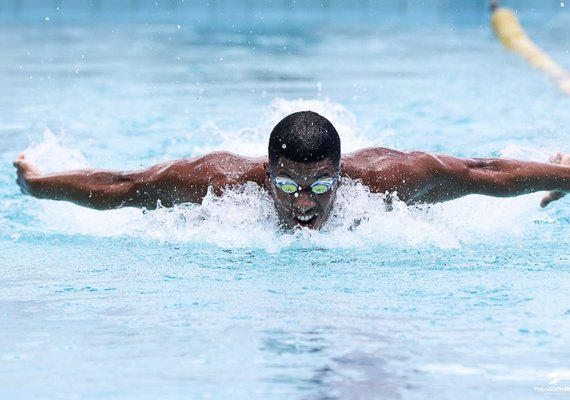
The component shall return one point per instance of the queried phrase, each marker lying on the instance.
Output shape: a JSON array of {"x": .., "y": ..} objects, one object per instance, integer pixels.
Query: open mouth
[{"x": 306, "y": 220}]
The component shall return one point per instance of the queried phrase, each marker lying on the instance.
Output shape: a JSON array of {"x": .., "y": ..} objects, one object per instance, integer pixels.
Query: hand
[
  {"x": 561, "y": 159},
  {"x": 25, "y": 170}
]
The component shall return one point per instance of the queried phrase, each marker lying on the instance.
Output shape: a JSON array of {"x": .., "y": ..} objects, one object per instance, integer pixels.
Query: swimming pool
[{"x": 468, "y": 298}]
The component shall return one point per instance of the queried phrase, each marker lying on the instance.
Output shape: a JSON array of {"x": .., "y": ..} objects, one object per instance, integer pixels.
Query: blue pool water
[{"x": 464, "y": 299}]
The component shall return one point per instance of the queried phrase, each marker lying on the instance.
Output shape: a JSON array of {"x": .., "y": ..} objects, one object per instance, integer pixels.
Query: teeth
[{"x": 304, "y": 218}]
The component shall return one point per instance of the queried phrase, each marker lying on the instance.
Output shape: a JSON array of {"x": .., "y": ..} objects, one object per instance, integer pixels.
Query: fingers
[
  {"x": 550, "y": 197},
  {"x": 25, "y": 167},
  {"x": 25, "y": 170},
  {"x": 18, "y": 160}
]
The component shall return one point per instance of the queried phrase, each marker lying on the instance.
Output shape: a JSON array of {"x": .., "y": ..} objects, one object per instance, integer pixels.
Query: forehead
[{"x": 303, "y": 169}]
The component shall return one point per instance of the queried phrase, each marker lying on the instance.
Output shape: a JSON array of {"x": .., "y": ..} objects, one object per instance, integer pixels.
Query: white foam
[
  {"x": 247, "y": 218},
  {"x": 253, "y": 141},
  {"x": 51, "y": 155},
  {"x": 244, "y": 217}
]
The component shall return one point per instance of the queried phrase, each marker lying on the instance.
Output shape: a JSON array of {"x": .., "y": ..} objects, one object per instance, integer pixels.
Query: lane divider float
[{"x": 512, "y": 35}]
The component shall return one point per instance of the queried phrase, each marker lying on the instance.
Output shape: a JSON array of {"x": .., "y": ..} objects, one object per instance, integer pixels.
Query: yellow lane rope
[{"x": 511, "y": 34}]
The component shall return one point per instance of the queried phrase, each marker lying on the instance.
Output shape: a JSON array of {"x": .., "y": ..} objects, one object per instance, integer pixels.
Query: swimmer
[{"x": 302, "y": 173}]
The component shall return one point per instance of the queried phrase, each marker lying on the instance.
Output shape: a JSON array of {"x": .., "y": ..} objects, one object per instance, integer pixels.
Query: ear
[
  {"x": 267, "y": 179},
  {"x": 266, "y": 167}
]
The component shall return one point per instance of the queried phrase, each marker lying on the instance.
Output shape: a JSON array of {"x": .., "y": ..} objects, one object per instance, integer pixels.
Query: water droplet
[
  {"x": 296, "y": 194},
  {"x": 562, "y": 4},
  {"x": 178, "y": 26},
  {"x": 284, "y": 145},
  {"x": 46, "y": 18}
]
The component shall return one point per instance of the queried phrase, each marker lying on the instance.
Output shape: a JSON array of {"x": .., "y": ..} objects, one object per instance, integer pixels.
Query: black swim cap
[{"x": 304, "y": 136}]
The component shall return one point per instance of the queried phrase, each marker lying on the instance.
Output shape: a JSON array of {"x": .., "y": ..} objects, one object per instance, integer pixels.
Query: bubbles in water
[
  {"x": 246, "y": 217},
  {"x": 284, "y": 146}
]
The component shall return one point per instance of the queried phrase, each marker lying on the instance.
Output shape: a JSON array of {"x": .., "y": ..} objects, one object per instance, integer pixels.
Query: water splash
[
  {"x": 52, "y": 156},
  {"x": 252, "y": 141},
  {"x": 246, "y": 218}
]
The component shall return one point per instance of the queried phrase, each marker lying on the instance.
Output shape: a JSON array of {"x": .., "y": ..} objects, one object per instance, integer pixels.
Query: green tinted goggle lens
[
  {"x": 319, "y": 188},
  {"x": 290, "y": 187}
]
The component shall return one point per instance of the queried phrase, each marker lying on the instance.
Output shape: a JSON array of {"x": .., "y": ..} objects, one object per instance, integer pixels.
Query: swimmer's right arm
[{"x": 167, "y": 183}]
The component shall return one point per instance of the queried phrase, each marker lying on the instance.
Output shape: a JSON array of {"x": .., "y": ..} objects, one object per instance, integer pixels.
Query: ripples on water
[{"x": 466, "y": 298}]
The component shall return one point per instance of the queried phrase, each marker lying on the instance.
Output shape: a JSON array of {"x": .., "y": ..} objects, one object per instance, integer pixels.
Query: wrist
[{"x": 34, "y": 186}]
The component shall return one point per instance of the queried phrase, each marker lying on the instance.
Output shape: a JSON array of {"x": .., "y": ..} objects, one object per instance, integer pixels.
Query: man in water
[{"x": 302, "y": 173}]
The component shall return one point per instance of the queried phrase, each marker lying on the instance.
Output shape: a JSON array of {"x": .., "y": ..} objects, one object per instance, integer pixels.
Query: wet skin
[
  {"x": 303, "y": 203},
  {"x": 416, "y": 177}
]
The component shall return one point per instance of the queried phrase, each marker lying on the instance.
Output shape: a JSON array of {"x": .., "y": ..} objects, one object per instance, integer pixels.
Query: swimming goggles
[{"x": 289, "y": 186}]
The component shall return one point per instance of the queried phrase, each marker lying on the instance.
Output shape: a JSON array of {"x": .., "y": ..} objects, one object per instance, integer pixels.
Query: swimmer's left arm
[{"x": 441, "y": 177}]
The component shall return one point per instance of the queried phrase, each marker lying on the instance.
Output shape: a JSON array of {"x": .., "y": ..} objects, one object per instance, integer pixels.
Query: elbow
[{"x": 490, "y": 180}]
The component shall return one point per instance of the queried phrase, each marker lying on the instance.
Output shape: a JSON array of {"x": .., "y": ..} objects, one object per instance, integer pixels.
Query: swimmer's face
[{"x": 302, "y": 208}]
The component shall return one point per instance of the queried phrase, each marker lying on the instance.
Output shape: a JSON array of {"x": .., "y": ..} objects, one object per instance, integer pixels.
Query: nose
[{"x": 303, "y": 201}]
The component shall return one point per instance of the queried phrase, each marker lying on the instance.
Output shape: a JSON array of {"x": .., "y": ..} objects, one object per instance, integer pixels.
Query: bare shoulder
[
  {"x": 220, "y": 168},
  {"x": 388, "y": 170},
  {"x": 373, "y": 159}
]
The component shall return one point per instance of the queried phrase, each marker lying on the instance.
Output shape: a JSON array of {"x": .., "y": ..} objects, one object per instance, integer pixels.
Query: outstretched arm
[
  {"x": 169, "y": 183},
  {"x": 436, "y": 178}
]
